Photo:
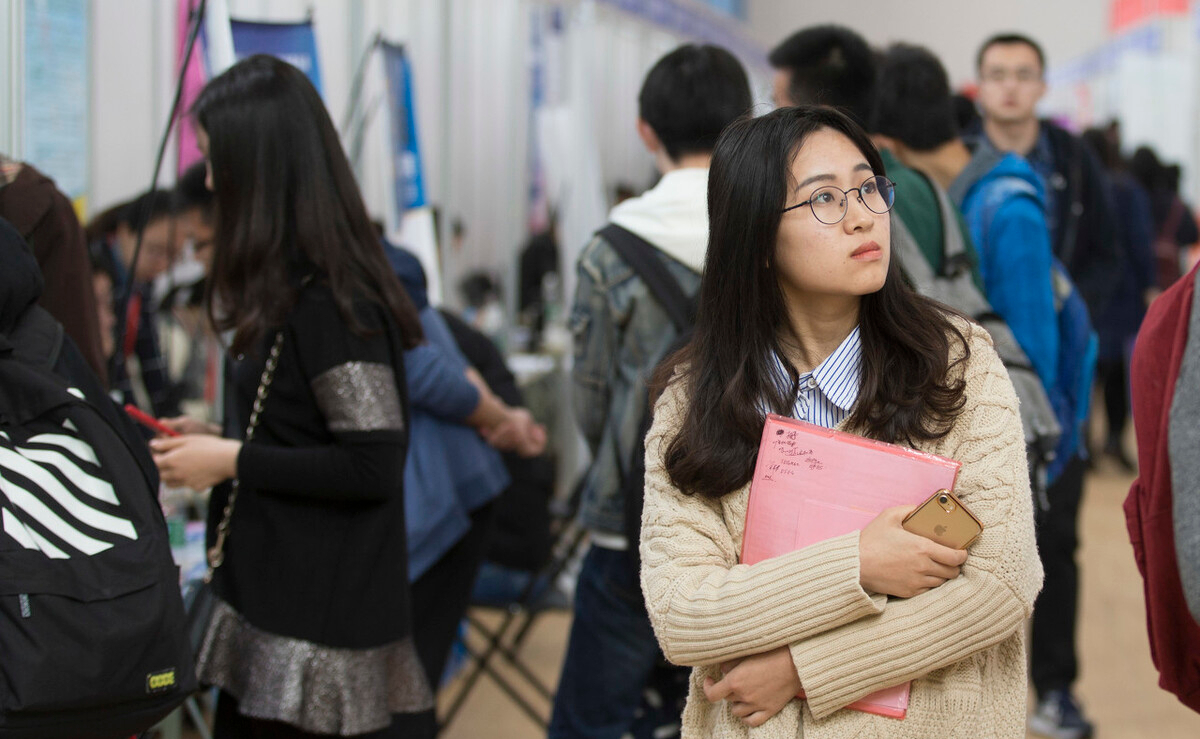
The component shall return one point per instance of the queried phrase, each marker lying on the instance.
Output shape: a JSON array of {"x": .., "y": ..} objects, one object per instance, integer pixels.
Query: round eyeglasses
[{"x": 829, "y": 203}]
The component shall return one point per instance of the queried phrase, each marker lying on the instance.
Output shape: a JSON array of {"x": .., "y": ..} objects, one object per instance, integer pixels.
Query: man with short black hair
[
  {"x": 622, "y": 330},
  {"x": 825, "y": 65},
  {"x": 1011, "y": 69},
  {"x": 833, "y": 65}
]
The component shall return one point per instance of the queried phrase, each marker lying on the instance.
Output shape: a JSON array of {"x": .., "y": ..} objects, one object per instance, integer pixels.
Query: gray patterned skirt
[{"x": 319, "y": 689}]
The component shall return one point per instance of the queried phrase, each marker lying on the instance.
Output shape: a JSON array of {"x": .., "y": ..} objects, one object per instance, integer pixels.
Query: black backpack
[
  {"x": 642, "y": 257},
  {"x": 92, "y": 639}
]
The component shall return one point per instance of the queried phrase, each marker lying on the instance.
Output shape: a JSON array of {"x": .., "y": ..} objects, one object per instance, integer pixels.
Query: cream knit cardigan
[{"x": 963, "y": 643}]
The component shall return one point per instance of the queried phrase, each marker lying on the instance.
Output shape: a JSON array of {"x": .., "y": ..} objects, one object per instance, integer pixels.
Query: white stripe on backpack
[
  {"x": 29, "y": 539},
  {"x": 69, "y": 500},
  {"x": 72, "y": 444},
  {"x": 29, "y": 498},
  {"x": 93, "y": 486}
]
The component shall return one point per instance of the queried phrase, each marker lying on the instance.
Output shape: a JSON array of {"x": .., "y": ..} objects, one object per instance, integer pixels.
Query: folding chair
[{"x": 504, "y": 641}]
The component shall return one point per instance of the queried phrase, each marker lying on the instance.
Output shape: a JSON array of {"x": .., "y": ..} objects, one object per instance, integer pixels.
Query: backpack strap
[
  {"x": 37, "y": 338},
  {"x": 912, "y": 261},
  {"x": 640, "y": 255},
  {"x": 955, "y": 260},
  {"x": 1065, "y": 251}
]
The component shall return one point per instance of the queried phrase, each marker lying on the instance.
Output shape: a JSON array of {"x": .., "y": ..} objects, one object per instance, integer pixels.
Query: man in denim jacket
[{"x": 621, "y": 332}]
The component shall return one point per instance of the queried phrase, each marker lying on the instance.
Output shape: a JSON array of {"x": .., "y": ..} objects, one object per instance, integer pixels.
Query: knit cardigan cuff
[
  {"x": 767, "y": 605},
  {"x": 840, "y": 666}
]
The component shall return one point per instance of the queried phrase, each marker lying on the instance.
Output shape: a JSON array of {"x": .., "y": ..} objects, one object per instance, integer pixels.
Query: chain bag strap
[{"x": 216, "y": 555}]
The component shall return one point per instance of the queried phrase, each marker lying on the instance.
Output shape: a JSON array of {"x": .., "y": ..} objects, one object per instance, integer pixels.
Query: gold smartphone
[{"x": 944, "y": 519}]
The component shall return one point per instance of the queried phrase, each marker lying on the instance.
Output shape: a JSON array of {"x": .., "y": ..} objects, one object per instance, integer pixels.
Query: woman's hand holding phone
[
  {"x": 897, "y": 562},
  {"x": 189, "y": 425},
  {"x": 171, "y": 426},
  {"x": 196, "y": 461},
  {"x": 944, "y": 519}
]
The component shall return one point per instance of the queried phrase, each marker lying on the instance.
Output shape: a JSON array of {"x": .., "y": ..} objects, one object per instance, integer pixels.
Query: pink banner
[
  {"x": 193, "y": 82},
  {"x": 1126, "y": 13}
]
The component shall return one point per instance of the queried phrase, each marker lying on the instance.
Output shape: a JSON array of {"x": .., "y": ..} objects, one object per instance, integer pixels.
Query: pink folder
[{"x": 812, "y": 483}]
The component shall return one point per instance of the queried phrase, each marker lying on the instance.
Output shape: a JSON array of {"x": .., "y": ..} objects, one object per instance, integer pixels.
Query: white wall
[{"x": 132, "y": 58}]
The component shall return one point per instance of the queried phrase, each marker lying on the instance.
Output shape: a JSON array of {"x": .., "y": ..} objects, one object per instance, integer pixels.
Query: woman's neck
[{"x": 815, "y": 330}]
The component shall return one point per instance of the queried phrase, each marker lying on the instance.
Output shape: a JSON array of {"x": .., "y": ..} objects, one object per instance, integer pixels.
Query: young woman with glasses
[{"x": 803, "y": 312}]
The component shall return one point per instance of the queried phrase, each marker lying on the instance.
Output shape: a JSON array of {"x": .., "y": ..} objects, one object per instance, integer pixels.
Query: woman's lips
[{"x": 867, "y": 252}]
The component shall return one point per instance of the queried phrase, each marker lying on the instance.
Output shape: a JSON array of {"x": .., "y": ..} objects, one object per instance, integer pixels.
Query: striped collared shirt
[{"x": 828, "y": 393}]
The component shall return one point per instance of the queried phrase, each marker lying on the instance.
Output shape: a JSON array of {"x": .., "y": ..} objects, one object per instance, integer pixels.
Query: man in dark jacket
[{"x": 1011, "y": 72}]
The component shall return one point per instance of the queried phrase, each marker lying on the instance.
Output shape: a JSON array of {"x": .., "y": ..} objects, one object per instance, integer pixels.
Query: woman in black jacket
[{"x": 312, "y": 636}]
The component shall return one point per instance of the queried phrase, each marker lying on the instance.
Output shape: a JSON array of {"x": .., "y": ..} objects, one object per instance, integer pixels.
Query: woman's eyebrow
[
  {"x": 816, "y": 178},
  {"x": 830, "y": 178}
]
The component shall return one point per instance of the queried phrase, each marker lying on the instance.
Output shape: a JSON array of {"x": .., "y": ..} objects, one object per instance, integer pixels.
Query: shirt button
[{"x": 812, "y": 383}]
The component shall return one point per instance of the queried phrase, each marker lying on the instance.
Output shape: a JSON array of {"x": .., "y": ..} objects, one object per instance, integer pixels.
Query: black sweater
[{"x": 317, "y": 544}]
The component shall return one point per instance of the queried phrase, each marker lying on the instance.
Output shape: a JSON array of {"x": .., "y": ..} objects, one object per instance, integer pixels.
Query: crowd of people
[
  {"x": 871, "y": 257},
  {"x": 1034, "y": 234}
]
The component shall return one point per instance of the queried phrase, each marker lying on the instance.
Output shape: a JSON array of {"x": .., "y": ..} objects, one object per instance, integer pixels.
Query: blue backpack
[{"x": 1077, "y": 349}]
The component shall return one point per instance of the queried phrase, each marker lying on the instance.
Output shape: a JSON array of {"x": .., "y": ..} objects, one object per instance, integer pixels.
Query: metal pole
[{"x": 12, "y": 82}]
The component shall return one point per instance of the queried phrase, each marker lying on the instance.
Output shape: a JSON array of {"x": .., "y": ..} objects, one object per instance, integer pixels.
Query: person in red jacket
[{"x": 1166, "y": 401}]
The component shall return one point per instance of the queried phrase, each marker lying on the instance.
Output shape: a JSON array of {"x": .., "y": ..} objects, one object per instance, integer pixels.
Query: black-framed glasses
[{"x": 829, "y": 203}]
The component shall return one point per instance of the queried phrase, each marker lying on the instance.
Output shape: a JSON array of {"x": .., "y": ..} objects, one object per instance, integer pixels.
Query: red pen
[{"x": 148, "y": 421}]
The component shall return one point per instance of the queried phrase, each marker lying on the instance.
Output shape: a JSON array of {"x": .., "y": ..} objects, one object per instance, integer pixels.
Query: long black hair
[
  {"x": 907, "y": 391},
  {"x": 287, "y": 206}
]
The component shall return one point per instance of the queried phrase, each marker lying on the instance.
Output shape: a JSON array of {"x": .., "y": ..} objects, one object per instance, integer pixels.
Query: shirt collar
[
  {"x": 839, "y": 376},
  {"x": 1042, "y": 154}
]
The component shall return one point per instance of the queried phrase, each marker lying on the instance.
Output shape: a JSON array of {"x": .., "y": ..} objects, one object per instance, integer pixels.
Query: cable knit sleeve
[
  {"x": 705, "y": 607},
  {"x": 992, "y": 597}
]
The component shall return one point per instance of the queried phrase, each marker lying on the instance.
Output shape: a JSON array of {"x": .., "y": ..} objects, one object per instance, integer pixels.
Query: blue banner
[
  {"x": 409, "y": 185},
  {"x": 539, "y": 204},
  {"x": 55, "y": 121},
  {"x": 294, "y": 43},
  {"x": 1149, "y": 39}
]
